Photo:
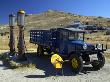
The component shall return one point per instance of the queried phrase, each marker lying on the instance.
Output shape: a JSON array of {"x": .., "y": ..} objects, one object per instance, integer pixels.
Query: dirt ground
[{"x": 45, "y": 72}]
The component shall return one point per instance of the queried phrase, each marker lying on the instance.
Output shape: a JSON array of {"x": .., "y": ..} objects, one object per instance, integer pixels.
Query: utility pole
[
  {"x": 21, "y": 42},
  {"x": 12, "y": 38}
]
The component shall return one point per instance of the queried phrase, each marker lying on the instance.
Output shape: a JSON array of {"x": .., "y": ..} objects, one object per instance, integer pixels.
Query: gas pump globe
[
  {"x": 21, "y": 18},
  {"x": 12, "y": 20}
]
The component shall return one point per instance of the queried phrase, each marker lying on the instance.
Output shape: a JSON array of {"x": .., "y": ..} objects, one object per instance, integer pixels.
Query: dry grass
[
  {"x": 98, "y": 37},
  {"x": 4, "y": 41},
  {"x": 15, "y": 65},
  {"x": 107, "y": 55}
]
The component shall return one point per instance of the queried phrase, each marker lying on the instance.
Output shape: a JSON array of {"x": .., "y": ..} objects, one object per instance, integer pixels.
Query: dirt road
[{"x": 38, "y": 75}]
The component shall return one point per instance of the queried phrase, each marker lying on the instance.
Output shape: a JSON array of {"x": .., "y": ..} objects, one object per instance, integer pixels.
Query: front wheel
[
  {"x": 97, "y": 64},
  {"x": 76, "y": 63}
]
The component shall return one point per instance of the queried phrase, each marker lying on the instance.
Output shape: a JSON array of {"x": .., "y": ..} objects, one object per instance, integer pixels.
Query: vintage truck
[{"x": 70, "y": 44}]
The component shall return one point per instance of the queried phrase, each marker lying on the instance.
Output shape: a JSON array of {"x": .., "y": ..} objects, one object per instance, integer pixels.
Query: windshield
[{"x": 75, "y": 36}]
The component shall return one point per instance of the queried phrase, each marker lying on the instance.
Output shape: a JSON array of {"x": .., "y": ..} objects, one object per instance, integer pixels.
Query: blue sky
[{"x": 81, "y": 7}]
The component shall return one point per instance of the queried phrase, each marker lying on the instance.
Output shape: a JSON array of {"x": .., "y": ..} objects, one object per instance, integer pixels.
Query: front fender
[{"x": 74, "y": 53}]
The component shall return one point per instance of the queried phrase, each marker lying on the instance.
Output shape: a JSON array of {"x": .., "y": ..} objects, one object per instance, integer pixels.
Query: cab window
[
  {"x": 64, "y": 35},
  {"x": 75, "y": 36}
]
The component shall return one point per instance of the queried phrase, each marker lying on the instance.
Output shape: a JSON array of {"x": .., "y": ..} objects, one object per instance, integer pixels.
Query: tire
[
  {"x": 40, "y": 50},
  {"x": 76, "y": 63},
  {"x": 97, "y": 64}
]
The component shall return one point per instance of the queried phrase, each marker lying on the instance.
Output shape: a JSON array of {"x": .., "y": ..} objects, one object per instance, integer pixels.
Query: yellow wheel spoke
[{"x": 74, "y": 63}]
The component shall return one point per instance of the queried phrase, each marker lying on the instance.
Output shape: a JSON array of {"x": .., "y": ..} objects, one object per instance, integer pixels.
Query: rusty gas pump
[
  {"x": 12, "y": 37},
  {"x": 21, "y": 41}
]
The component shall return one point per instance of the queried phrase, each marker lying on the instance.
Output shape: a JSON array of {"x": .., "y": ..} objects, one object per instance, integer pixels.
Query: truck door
[{"x": 63, "y": 42}]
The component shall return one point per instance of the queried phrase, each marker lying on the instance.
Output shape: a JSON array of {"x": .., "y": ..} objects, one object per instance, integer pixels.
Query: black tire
[
  {"x": 74, "y": 59},
  {"x": 40, "y": 50},
  {"x": 97, "y": 64}
]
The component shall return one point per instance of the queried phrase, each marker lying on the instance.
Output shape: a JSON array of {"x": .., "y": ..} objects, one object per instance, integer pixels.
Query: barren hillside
[{"x": 52, "y": 18}]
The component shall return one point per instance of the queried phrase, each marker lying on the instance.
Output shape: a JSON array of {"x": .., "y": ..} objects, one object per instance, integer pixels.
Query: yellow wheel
[{"x": 76, "y": 63}]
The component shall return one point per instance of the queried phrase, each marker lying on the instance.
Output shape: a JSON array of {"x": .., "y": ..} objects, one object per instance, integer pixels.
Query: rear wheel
[
  {"x": 76, "y": 63},
  {"x": 97, "y": 64}
]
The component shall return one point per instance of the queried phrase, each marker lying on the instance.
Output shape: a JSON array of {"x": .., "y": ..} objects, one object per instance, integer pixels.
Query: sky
[{"x": 81, "y": 7}]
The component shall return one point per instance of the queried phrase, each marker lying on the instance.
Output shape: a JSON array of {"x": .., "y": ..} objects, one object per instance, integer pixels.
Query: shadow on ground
[
  {"x": 36, "y": 76},
  {"x": 43, "y": 63}
]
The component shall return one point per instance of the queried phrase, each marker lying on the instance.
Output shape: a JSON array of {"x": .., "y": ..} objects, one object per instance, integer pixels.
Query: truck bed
[{"x": 42, "y": 37}]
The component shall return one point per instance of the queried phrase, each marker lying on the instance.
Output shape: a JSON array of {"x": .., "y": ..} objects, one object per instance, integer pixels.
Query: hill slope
[{"x": 51, "y": 19}]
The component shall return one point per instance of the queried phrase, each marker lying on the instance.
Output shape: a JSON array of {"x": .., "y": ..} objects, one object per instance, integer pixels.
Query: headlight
[
  {"x": 99, "y": 46},
  {"x": 85, "y": 46}
]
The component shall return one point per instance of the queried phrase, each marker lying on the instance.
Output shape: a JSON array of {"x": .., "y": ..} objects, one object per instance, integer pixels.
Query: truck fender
[{"x": 71, "y": 54}]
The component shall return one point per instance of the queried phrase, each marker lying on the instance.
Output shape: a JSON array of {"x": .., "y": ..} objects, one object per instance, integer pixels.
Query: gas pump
[
  {"x": 21, "y": 42},
  {"x": 12, "y": 37}
]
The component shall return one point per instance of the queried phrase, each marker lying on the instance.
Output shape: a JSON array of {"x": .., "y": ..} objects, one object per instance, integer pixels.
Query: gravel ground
[{"x": 39, "y": 75}]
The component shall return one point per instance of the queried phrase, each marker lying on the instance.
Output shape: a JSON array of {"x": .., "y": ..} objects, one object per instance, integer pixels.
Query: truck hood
[{"x": 81, "y": 42}]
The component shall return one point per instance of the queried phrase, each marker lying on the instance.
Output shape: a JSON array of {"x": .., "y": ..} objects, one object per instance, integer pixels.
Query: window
[
  {"x": 80, "y": 36},
  {"x": 71, "y": 36},
  {"x": 63, "y": 35},
  {"x": 75, "y": 36}
]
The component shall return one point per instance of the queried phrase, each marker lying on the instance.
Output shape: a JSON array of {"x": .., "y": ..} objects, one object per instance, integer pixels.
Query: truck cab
[{"x": 70, "y": 40}]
